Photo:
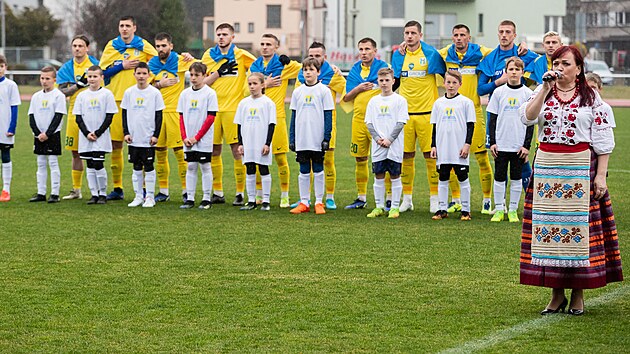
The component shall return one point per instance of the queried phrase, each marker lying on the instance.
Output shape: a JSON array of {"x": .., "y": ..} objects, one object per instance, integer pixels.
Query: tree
[
  {"x": 31, "y": 28},
  {"x": 173, "y": 22}
]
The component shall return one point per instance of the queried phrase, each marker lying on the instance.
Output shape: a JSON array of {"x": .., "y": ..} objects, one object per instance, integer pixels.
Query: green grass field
[{"x": 79, "y": 278}]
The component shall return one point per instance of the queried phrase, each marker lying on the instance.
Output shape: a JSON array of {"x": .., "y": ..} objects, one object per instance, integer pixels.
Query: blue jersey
[{"x": 493, "y": 65}]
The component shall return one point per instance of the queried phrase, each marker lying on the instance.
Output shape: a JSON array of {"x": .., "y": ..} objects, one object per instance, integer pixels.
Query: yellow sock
[
  {"x": 284, "y": 173},
  {"x": 432, "y": 176},
  {"x": 485, "y": 174},
  {"x": 162, "y": 168},
  {"x": 77, "y": 179},
  {"x": 330, "y": 171},
  {"x": 362, "y": 173},
  {"x": 258, "y": 180},
  {"x": 453, "y": 183},
  {"x": 408, "y": 174},
  {"x": 388, "y": 184},
  {"x": 239, "y": 176},
  {"x": 117, "y": 167},
  {"x": 182, "y": 166},
  {"x": 217, "y": 173}
]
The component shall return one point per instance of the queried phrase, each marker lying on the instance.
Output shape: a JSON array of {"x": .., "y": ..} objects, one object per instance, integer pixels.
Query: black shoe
[
  {"x": 53, "y": 198},
  {"x": 576, "y": 312},
  {"x": 92, "y": 200},
  {"x": 265, "y": 206},
  {"x": 184, "y": 197},
  {"x": 560, "y": 308},
  {"x": 249, "y": 206},
  {"x": 38, "y": 198},
  {"x": 101, "y": 199},
  {"x": 238, "y": 200},
  {"x": 189, "y": 204},
  {"x": 217, "y": 200},
  {"x": 205, "y": 205}
]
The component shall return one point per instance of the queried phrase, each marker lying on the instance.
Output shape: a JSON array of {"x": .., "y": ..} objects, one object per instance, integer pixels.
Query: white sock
[
  {"x": 219, "y": 193},
  {"x": 442, "y": 195},
  {"x": 379, "y": 192},
  {"x": 266, "y": 191},
  {"x": 259, "y": 192},
  {"x": 138, "y": 181},
  {"x": 164, "y": 191},
  {"x": 397, "y": 188},
  {"x": 55, "y": 174},
  {"x": 304, "y": 184},
  {"x": 101, "y": 178},
  {"x": 362, "y": 197},
  {"x": 284, "y": 194},
  {"x": 330, "y": 196},
  {"x": 407, "y": 198},
  {"x": 319, "y": 185},
  {"x": 42, "y": 174},
  {"x": 7, "y": 173},
  {"x": 465, "y": 192},
  {"x": 206, "y": 180},
  {"x": 149, "y": 180},
  {"x": 250, "y": 184},
  {"x": 516, "y": 187},
  {"x": 499, "y": 196},
  {"x": 92, "y": 182},
  {"x": 456, "y": 200},
  {"x": 191, "y": 180}
]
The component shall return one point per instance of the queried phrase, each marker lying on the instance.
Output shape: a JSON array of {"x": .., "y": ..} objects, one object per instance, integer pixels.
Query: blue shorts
[{"x": 387, "y": 165}]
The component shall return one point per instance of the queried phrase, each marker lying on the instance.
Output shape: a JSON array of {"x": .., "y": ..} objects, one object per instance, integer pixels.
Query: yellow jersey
[
  {"x": 229, "y": 88},
  {"x": 124, "y": 79}
]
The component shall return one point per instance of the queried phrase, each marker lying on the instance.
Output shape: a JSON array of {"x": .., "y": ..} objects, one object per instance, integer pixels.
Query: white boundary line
[
  {"x": 519, "y": 329},
  {"x": 616, "y": 170}
]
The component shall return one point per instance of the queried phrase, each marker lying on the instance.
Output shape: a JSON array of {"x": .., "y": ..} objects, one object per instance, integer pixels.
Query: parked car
[
  {"x": 600, "y": 68},
  {"x": 37, "y": 64}
]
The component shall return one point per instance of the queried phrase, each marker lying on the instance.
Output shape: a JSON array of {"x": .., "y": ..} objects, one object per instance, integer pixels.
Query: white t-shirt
[
  {"x": 309, "y": 103},
  {"x": 93, "y": 106},
  {"x": 9, "y": 96},
  {"x": 450, "y": 116},
  {"x": 254, "y": 116},
  {"x": 195, "y": 105},
  {"x": 505, "y": 102},
  {"x": 384, "y": 112},
  {"x": 141, "y": 106},
  {"x": 609, "y": 114},
  {"x": 43, "y": 107}
]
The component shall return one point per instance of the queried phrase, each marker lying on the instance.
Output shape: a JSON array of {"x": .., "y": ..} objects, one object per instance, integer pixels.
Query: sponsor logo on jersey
[
  {"x": 449, "y": 113},
  {"x": 136, "y": 52},
  {"x": 94, "y": 104},
  {"x": 422, "y": 61},
  {"x": 513, "y": 104},
  {"x": 308, "y": 100},
  {"x": 139, "y": 103},
  {"x": 45, "y": 104},
  {"x": 194, "y": 104},
  {"x": 411, "y": 66},
  {"x": 126, "y": 55},
  {"x": 384, "y": 110}
]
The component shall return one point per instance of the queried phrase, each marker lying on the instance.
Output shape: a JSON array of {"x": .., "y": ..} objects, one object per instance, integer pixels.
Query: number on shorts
[
  {"x": 354, "y": 148},
  {"x": 69, "y": 141}
]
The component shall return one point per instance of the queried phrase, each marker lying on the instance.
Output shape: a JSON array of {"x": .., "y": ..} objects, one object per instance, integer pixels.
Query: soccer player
[
  {"x": 385, "y": 117},
  {"x": 453, "y": 118},
  {"x": 337, "y": 85},
  {"x": 278, "y": 70},
  {"x": 227, "y": 74},
  {"x": 361, "y": 86},
  {"x": 309, "y": 136},
  {"x": 595, "y": 82},
  {"x": 94, "y": 110},
  {"x": 8, "y": 122},
  {"x": 45, "y": 113},
  {"x": 197, "y": 107},
  {"x": 142, "y": 107},
  {"x": 256, "y": 120},
  {"x": 415, "y": 77},
  {"x": 510, "y": 139},
  {"x": 535, "y": 70},
  {"x": 168, "y": 69},
  {"x": 120, "y": 57},
  {"x": 71, "y": 80}
]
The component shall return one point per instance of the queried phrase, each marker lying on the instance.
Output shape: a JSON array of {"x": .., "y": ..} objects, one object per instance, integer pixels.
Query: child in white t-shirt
[
  {"x": 8, "y": 122},
  {"x": 453, "y": 118}
]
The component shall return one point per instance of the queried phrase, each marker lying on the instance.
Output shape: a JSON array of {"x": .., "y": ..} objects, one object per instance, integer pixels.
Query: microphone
[{"x": 557, "y": 75}]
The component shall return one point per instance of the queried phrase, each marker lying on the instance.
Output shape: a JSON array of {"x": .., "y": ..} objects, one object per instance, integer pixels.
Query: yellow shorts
[
  {"x": 116, "y": 129},
  {"x": 418, "y": 128},
  {"x": 280, "y": 141},
  {"x": 479, "y": 136},
  {"x": 361, "y": 139},
  {"x": 224, "y": 127},
  {"x": 170, "y": 135},
  {"x": 72, "y": 133}
]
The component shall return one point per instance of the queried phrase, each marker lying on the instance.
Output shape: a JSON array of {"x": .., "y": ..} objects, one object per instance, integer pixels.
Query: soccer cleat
[
  {"x": 137, "y": 201},
  {"x": 498, "y": 216},
  {"x": 376, "y": 213},
  {"x": 148, "y": 202},
  {"x": 357, "y": 204},
  {"x": 406, "y": 205},
  {"x": 258, "y": 200},
  {"x": 439, "y": 215},
  {"x": 300, "y": 208},
  {"x": 388, "y": 205},
  {"x": 189, "y": 204},
  {"x": 238, "y": 200},
  {"x": 74, "y": 194},
  {"x": 5, "y": 196},
  {"x": 217, "y": 199},
  {"x": 38, "y": 198},
  {"x": 284, "y": 202},
  {"x": 205, "y": 204},
  {"x": 434, "y": 204},
  {"x": 53, "y": 198},
  {"x": 330, "y": 204},
  {"x": 249, "y": 206},
  {"x": 92, "y": 200},
  {"x": 394, "y": 213},
  {"x": 294, "y": 205},
  {"x": 454, "y": 207},
  {"x": 513, "y": 216},
  {"x": 116, "y": 194},
  {"x": 184, "y": 197},
  {"x": 486, "y": 208},
  {"x": 161, "y": 197},
  {"x": 319, "y": 209},
  {"x": 265, "y": 206},
  {"x": 101, "y": 200},
  {"x": 465, "y": 216}
]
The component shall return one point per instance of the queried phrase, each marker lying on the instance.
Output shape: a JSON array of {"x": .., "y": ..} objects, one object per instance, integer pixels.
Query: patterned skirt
[{"x": 604, "y": 258}]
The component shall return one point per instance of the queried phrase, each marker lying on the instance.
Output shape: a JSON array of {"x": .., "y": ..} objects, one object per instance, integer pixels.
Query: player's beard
[{"x": 164, "y": 55}]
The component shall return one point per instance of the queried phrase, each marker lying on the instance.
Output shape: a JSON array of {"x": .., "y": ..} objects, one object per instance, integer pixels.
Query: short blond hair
[
  {"x": 593, "y": 77},
  {"x": 385, "y": 72}
]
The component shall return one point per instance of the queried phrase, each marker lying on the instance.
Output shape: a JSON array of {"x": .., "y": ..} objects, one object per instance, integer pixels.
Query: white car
[{"x": 600, "y": 68}]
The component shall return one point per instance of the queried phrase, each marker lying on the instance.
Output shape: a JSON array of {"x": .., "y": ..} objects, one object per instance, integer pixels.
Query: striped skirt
[{"x": 604, "y": 258}]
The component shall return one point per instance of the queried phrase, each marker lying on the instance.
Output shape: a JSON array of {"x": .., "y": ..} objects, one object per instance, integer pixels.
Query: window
[
  {"x": 480, "y": 23},
  {"x": 438, "y": 28},
  {"x": 274, "y": 16},
  {"x": 250, "y": 27},
  {"x": 390, "y": 36},
  {"x": 210, "y": 29},
  {"x": 603, "y": 19},
  {"x": 393, "y": 8},
  {"x": 237, "y": 27},
  {"x": 620, "y": 18},
  {"x": 553, "y": 23}
]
